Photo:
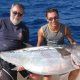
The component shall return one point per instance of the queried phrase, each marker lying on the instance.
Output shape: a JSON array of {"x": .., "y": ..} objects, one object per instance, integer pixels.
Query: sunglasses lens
[
  {"x": 17, "y": 13},
  {"x": 50, "y": 19}
]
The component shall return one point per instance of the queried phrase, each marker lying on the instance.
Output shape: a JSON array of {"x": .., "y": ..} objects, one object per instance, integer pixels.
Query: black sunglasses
[
  {"x": 51, "y": 19},
  {"x": 17, "y": 13}
]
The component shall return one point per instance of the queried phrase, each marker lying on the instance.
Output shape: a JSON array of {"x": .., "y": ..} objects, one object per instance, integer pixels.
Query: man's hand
[{"x": 20, "y": 68}]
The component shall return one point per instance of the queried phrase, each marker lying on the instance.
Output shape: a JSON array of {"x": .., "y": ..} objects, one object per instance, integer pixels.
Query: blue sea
[{"x": 69, "y": 11}]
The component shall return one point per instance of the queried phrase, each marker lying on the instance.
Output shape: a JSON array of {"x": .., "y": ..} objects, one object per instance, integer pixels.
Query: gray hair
[{"x": 18, "y": 4}]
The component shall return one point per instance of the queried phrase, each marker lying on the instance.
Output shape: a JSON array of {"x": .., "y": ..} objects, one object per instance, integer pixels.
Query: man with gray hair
[{"x": 14, "y": 34}]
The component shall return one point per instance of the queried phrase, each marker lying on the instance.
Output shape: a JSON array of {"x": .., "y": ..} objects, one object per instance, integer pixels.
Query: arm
[
  {"x": 69, "y": 37},
  {"x": 40, "y": 37}
]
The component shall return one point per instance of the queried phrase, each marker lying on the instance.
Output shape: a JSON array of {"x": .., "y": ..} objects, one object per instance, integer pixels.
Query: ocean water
[{"x": 69, "y": 13}]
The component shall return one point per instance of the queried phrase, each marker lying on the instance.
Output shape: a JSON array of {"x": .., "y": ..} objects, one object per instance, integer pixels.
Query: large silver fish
[{"x": 45, "y": 60}]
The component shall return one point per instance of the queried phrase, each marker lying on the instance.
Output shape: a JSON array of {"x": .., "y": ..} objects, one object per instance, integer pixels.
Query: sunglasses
[
  {"x": 51, "y": 19},
  {"x": 17, "y": 13}
]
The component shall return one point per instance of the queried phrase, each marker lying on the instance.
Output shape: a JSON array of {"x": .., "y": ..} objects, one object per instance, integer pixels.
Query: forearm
[
  {"x": 39, "y": 43},
  {"x": 71, "y": 40}
]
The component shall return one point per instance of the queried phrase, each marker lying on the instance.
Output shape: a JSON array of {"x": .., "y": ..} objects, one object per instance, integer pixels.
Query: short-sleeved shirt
[
  {"x": 12, "y": 36},
  {"x": 54, "y": 38}
]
